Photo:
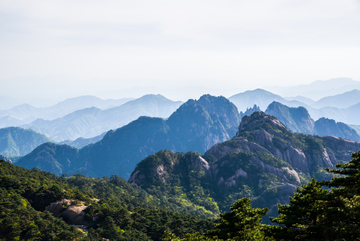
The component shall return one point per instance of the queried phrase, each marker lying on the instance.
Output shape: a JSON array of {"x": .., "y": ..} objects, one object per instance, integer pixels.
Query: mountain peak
[{"x": 260, "y": 120}]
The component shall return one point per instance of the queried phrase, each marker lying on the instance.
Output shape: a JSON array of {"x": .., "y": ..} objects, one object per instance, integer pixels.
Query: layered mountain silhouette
[
  {"x": 343, "y": 100},
  {"x": 196, "y": 125},
  {"x": 28, "y": 113},
  {"x": 344, "y": 107},
  {"x": 7, "y": 121},
  {"x": 318, "y": 89},
  {"x": 81, "y": 142},
  {"x": 261, "y": 98},
  {"x": 91, "y": 122}
]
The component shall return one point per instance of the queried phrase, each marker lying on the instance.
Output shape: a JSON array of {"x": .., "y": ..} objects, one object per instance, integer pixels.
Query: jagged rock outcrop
[{"x": 250, "y": 111}]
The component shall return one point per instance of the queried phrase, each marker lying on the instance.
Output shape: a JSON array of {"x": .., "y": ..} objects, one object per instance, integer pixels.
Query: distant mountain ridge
[
  {"x": 261, "y": 98},
  {"x": 29, "y": 113},
  {"x": 91, "y": 122},
  {"x": 343, "y": 100},
  {"x": 318, "y": 89},
  {"x": 81, "y": 142},
  {"x": 196, "y": 125}
]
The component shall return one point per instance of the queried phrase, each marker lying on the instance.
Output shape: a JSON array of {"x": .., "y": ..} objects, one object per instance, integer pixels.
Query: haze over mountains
[
  {"x": 88, "y": 124},
  {"x": 317, "y": 89},
  {"x": 349, "y": 101},
  {"x": 298, "y": 120},
  {"x": 27, "y": 112}
]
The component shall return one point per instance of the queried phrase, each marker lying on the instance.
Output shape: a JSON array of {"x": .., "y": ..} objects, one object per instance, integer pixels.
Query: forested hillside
[
  {"x": 33, "y": 201},
  {"x": 125, "y": 212}
]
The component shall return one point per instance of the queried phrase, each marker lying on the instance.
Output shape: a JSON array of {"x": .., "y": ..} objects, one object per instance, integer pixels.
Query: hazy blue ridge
[
  {"x": 299, "y": 120},
  {"x": 327, "y": 127},
  {"x": 91, "y": 122},
  {"x": 343, "y": 100},
  {"x": 27, "y": 112},
  {"x": 261, "y": 98},
  {"x": 81, "y": 142},
  {"x": 318, "y": 89}
]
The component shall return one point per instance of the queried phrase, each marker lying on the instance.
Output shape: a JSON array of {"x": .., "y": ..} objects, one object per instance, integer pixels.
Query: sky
[{"x": 61, "y": 47}]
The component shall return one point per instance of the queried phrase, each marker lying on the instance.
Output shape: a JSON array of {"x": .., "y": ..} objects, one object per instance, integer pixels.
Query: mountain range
[
  {"x": 195, "y": 125},
  {"x": 317, "y": 89},
  {"x": 264, "y": 160},
  {"x": 81, "y": 142},
  {"x": 328, "y": 107},
  {"x": 299, "y": 120},
  {"x": 28, "y": 113},
  {"x": 98, "y": 116}
]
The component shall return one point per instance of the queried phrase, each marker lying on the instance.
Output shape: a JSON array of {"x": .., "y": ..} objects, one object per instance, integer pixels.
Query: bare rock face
[
  {"x": 295, "y": 157},
  {"x": 341, "y": 148},
  {"x": 70, "y": 210},
  {"x": 74, "y": 214}
]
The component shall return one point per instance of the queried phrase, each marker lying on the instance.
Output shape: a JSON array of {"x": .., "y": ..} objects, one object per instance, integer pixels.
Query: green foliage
[
  {"x": 124, "y": 211},
  {"x": 316, "y": 213},
  {"x": 242, "y": 223},
  {"x": 39, "y": 188},
  {"x": 169, "y": 178},
  {"x": 18, "y": 220},
  {"x": 305, "y": 216}
]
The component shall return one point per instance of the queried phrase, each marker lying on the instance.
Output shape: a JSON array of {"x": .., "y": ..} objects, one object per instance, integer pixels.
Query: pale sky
[{"x": 113, "y": 45}]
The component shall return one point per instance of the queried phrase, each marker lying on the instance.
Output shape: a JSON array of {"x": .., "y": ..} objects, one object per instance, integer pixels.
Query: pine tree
[{"x": 242, "y": 223}]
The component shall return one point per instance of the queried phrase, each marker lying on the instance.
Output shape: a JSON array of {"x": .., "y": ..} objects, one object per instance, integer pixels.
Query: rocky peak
[{"x": 258, "y": 121}]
